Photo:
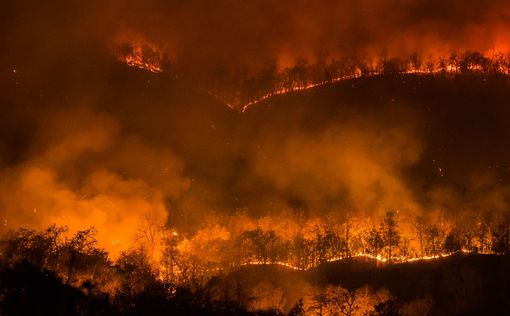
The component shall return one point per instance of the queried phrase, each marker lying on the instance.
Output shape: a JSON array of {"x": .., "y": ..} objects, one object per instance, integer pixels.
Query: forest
[
  {"x": 295, "y": 260},
  {"x": 241, "y": 88},
  {"x": 255, "y": 157},
  {"x": 206, "y": 272}
]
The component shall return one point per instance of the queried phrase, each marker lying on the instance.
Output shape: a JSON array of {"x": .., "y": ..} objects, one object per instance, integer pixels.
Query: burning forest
[{"x": 255, "y": 158}]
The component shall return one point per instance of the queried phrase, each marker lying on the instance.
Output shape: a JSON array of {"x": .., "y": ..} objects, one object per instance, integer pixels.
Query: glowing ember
[
  {"x": 378, "y": 258},
  {"x": 142, "y": 55}
]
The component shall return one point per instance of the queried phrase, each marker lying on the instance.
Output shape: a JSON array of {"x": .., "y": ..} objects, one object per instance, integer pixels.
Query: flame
[
  {"x": 142, "y": 55},
  {"x": 378, "y": 258},
  {"x": 299, "y": 88},
  {"x": 429, "y": 69}
]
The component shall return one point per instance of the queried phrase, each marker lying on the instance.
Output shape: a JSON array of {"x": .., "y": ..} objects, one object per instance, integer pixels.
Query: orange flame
[{"x": 143, "y": 56}]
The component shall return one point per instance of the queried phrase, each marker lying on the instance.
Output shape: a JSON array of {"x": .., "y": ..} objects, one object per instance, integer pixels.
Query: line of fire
[{"x": 253, "y": 88}]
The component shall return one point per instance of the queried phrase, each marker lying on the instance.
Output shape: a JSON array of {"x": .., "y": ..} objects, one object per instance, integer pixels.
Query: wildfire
[
  {"x": 378, "y": 258},
  {"x": 298, "y": 88},
  {"x": 279, "y": 263},
  {"x": 472, "y": 62},
  {"x": 142, "y": 55},
  {"x": 147, "y": 56},
  {"x": 354, "y": 75},
  {"x": 217, "y": 247}
]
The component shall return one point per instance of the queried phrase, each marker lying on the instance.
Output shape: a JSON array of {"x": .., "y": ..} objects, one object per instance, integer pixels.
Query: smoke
[
  {"x": 85, "y": 172},
  {"x": 86, "y": 142},
  {"x": 337, "y": 28},
  {"x": 208, "y": 36},
  {"x": 350, "y": 166},
  {"x": 244, "y": 33}
]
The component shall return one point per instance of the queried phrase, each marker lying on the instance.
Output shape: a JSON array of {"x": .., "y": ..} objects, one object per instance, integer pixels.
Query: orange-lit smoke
[
  {"x": 362, "y": 163},
  {"x": 144, "y": 149},
  {"x": 122, "y": 194}
]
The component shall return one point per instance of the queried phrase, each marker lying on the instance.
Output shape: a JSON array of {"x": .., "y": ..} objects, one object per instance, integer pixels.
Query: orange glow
[
  {"x": 142, "y": 55},
  {"x": 439, "y": 65}
]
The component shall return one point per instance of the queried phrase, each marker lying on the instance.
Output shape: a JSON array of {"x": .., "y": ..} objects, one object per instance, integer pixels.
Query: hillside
[
  {"x": 460, "y": 284},
  {"x": 449, "y": 129},
  {"x": 288, "y": 172}
]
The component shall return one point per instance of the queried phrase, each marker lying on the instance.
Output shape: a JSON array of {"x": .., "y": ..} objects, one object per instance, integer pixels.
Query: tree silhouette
[
  {"x": 501, "y": 239},
  {"x": 391, "y": 236},
  {"x": 375, "y": 241},
  {"x": 297, "y": 309}
]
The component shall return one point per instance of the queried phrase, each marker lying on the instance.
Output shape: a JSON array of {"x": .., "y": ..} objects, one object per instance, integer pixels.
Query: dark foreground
[{"x": 458, "y": 285}]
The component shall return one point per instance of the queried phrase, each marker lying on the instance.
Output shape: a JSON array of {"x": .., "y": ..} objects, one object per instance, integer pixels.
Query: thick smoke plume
[
  {"x": 211, "y": 36},
  {"x": 88, "y": 173},
  {"x": 248, "y": 33}
]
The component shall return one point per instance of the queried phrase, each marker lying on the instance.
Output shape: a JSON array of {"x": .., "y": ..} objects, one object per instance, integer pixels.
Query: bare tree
[
  {"x": 344, "y": 301},
  {"x": 375, "y": 241},
  {"x": 391, "y": 236},
  {"x": 419, "y": 225}
]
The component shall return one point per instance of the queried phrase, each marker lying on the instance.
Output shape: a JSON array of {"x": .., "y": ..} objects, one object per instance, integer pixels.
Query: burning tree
[
  {"x": 375, "y": 242},
  {"x": 391, "y": 236}
]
